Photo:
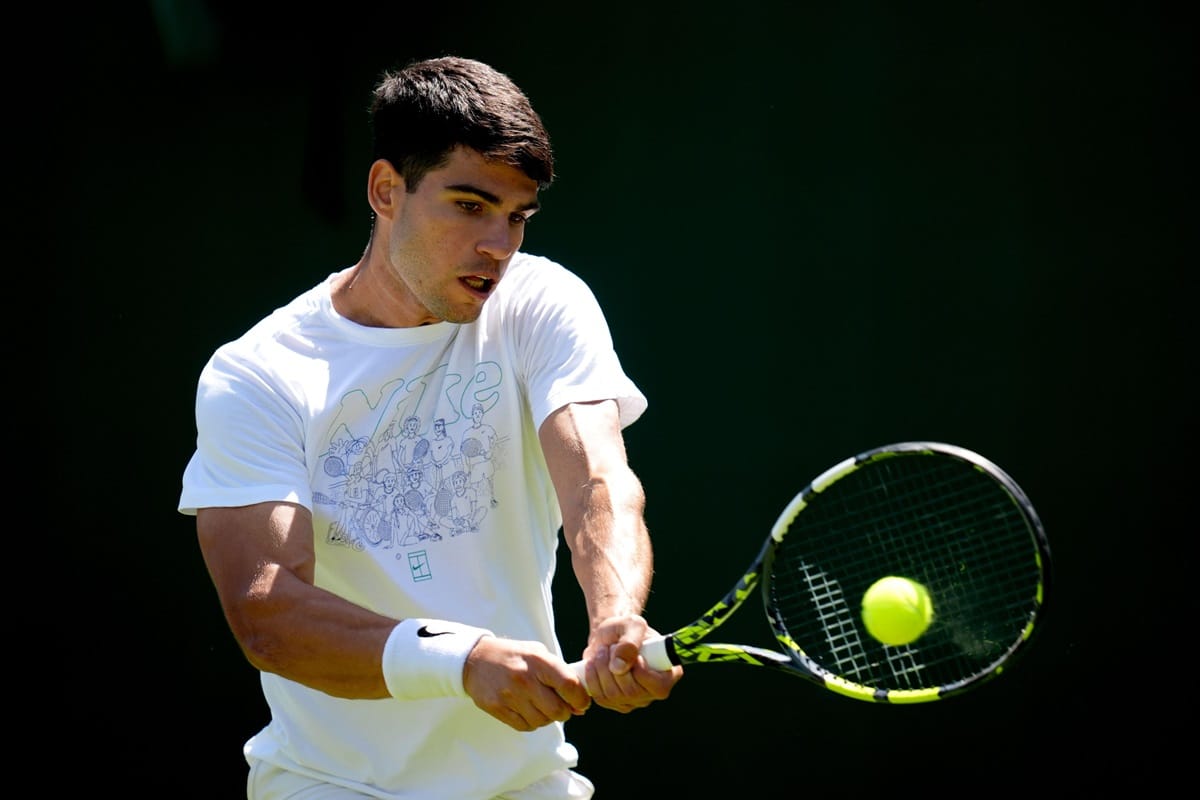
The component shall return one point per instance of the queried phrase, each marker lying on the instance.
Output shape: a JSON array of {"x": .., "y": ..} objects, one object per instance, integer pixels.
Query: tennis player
[{"x": 396, "y": 597}]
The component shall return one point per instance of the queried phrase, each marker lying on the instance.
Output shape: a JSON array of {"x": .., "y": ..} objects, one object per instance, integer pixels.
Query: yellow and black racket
[{"x": 935, "y": 513}]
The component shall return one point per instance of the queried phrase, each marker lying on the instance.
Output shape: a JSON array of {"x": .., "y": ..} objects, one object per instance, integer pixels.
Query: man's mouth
[{"x": 479, "y": 283}]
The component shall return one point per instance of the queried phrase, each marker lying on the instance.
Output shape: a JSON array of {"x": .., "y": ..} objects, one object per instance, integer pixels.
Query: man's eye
[
  {"x": 518, "y": 219},
  {"x": 470, "y": 205}
]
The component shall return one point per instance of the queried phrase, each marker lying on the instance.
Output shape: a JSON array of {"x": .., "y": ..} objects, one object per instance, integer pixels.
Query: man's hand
[
  {"x": 617, "y": 676},
  {"x": 523, "y": 684}
]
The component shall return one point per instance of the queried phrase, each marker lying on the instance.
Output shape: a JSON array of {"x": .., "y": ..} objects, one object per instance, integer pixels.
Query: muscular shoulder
[
  {"x": 293, "y": 327},
  {"x": 533, "y": 280},
  {"x": 269, "y": 361}
]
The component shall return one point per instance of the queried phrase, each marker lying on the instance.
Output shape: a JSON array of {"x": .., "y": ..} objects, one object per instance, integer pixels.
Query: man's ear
[{"x": 383, "y": 184}]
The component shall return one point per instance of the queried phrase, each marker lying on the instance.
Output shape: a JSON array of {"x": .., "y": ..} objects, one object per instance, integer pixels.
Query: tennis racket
[{"x": 935, "y": 513}]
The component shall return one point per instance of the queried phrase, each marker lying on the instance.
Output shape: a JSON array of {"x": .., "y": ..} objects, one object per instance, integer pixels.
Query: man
[{"x": 432, "y": 669}]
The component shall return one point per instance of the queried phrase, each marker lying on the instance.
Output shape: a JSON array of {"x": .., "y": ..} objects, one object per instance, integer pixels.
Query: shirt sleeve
[
  {"x": 249, "y": 440},
  {"x": 567, "y": 347}
]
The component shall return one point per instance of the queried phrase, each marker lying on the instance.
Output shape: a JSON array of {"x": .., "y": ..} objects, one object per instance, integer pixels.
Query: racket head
[
  {"x": 442, "y": 501},
  {"x": 936, "y": 513},
  {"x": 415, "y": 501}
]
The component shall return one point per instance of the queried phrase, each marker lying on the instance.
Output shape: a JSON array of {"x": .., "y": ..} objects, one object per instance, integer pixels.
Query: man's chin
[{"x": 463, "y": 316}]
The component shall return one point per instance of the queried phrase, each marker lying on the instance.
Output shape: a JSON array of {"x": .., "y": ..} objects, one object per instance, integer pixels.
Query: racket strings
[{"x": 940, "y": 521}]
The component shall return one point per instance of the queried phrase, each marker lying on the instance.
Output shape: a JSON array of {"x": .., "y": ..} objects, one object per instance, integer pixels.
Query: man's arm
[
  {"x": 261, "y": 560},
  {"x": 602, "y": 503}
]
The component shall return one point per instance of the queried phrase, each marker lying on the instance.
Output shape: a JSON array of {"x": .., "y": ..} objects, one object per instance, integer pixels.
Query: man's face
[{"x": 452, "y": 239}]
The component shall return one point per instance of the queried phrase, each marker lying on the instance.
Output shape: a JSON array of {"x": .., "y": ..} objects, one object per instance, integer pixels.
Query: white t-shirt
[{"x": 416, "y": 450}]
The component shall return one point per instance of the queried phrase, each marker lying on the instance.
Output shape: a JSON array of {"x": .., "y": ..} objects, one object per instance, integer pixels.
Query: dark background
[{"x": 815, "y": 231}]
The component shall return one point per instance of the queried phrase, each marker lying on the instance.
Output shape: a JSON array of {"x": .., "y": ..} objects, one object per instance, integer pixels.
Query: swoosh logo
[{"x": 425, "y": 633}]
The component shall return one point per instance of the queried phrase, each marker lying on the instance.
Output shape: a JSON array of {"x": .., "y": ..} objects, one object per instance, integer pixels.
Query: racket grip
[{"x": 655, "y": 650}]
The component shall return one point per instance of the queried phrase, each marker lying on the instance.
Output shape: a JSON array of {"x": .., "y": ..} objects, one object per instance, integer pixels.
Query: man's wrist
[{"x": 424, "y": 658}]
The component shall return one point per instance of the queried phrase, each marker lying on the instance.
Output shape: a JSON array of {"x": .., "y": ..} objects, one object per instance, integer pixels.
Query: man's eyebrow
[{"x": 532, "y": 205}]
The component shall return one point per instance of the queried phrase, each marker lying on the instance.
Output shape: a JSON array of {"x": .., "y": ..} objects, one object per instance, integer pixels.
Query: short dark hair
[{"x": 421, "y": 112}]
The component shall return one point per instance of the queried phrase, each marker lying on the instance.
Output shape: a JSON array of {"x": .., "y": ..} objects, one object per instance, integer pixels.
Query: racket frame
[{"x": 687, "y": 645}]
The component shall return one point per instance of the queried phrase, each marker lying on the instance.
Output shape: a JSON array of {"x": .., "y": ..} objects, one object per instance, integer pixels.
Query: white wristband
[{"x": 424, "y": 658}]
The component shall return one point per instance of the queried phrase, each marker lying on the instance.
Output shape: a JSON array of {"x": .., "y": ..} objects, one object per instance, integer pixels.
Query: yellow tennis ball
[{"x": 897, "y": 610}]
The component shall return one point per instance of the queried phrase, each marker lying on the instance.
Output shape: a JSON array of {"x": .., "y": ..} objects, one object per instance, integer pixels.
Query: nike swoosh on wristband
[{"x": 425, "y": 633}]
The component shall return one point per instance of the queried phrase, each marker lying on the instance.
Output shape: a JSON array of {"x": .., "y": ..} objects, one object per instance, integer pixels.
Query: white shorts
[{"x": 269, "y": 782}]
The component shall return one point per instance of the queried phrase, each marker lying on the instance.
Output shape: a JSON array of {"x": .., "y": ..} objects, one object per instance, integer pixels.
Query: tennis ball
[{"x": 896, "y": 610}]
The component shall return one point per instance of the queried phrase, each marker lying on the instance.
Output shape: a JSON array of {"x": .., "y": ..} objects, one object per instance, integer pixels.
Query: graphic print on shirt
[{"x": 418, "y": 466}]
